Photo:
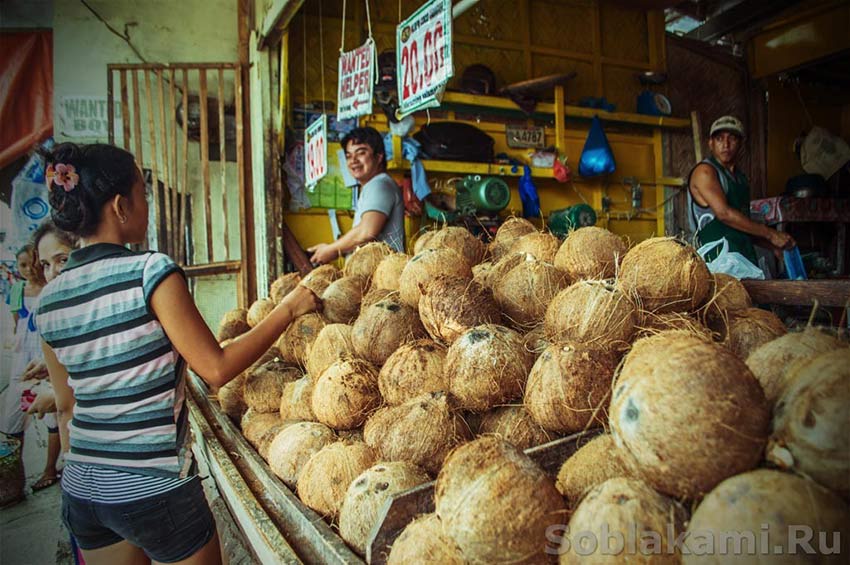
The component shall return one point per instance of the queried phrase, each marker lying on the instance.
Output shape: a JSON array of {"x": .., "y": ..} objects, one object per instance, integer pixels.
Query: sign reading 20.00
[
  {"x": 424, "y": 56},
  {"x": 316, "y": 151}
]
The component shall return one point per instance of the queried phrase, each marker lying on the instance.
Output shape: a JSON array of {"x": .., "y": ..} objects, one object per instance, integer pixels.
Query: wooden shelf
[{"x": 466, "y": 168}]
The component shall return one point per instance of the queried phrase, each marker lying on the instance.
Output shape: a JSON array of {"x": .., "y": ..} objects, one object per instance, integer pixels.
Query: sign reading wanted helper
[
  {"x": 424, "y": 56},
  {"x": 316, "y": 154},
  {"x": 356, "y": 81}
]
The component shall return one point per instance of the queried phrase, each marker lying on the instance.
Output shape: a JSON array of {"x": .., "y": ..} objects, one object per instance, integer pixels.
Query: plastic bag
[
  {"x": 596, "y": 157},
  {"x": 730, "y": 262},
  {"x": 528, "y": 195}
]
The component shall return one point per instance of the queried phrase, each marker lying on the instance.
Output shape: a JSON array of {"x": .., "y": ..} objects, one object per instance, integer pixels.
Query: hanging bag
[
  {"x": 730, "y": 262},
  {"x": 596, "y": 157}
]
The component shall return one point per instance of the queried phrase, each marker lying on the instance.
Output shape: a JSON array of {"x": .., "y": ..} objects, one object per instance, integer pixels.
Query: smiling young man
[
  {"x": 719, "y": 196},
  {"x": 379, "y": 214}
]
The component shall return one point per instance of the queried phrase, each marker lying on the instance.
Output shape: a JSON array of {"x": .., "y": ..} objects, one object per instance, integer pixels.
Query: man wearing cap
[{"x": 719, "y": 197}]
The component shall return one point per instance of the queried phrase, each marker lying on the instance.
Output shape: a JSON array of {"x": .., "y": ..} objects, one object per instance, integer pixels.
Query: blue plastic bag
[
  {"x": 528, "y": 195},
  {"x": 596, "y": 157}
]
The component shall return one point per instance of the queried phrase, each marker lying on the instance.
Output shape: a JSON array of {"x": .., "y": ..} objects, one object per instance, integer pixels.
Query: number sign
[
  {"x": 316, "y": 156},
  {"x": 356, "y": 81},
  {"x": 524, "y": 136}
]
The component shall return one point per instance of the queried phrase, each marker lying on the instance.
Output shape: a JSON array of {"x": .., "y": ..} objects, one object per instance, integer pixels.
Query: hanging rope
[
  {"x": 369, "y": 17},
  {"x": 322, "y": 55},
  {"x": 342, "y": 37}
]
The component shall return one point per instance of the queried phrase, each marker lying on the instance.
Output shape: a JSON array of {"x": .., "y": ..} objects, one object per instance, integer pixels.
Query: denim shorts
[{"x": 168, "y": 527}]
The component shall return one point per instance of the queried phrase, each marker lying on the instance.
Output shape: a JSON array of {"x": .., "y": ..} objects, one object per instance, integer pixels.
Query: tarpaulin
[{"x": 26, "y": 92}]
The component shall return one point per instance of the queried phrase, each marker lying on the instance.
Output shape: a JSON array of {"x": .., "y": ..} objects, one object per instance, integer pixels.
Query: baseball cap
[{"x": 727, "y": 123}]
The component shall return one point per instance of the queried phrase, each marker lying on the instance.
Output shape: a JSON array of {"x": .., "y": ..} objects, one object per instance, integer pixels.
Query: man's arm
[{"x": 370, "y": 226}]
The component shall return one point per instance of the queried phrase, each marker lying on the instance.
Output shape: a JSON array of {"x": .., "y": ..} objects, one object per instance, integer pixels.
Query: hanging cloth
[{"x": 528, "y": 195}]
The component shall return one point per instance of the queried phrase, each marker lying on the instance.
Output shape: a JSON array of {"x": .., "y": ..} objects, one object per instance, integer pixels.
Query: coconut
[
  {"x": 413, "y": 369},
  {"x": 345, "y": 394},
  {"x": 332, "y": 343},
  {"x": 263, "y": 385},
  {"x": 254, "y": 424},
  {"x": 502, "y": 267},
  {"x": 367, "y": 494},
  {"x": 652, "y": 323},
  {"x": 663, "y": 274},
  {"x": 294, "y": 343},
  {"x": 458, "y": 238},
  {"x": 283, "y": 285},
  {"x": 773, "y": 508},
  {"x": 231, "y": 398},
  {"x": 266, "y": 438},
  {"x": 233, "y": 324},
  {"x": 542, "y": 245},
  {"x": 535, "y": 341},
  {"x": 481, "y": 272},
  {"x": 293, "y": 446},
  {"x": 772, "y": 361},
  {"x": 496, "y": 503},
  {"x": 384, "y": 327},
  {"x": 622, "y": 509},
  {"x": 591, "y": 312},
  {"x": 375, "y": 295},
  {"x": 525, "y": 291},
  {"x": 487, "y": 366},
  {"x": 328, "y": 474},
  {"x": 320, "y": 278},
  {"x": 389, "y": 270},
  {"x": 423, "y": 542},
  {"x": 689, "y": 413},
  {"x": 296, "y": 400},
  {"x": 727, "y": 295},
  {"x": 351, "y": 435},
  {"x": 259, "y": 310},
  {"x": 746, "y": 330},
  {"x": 426, "y": 265},
  {"x": 593, "y": 464},
  {"x": 514, "y": 425},
  {"x": 590, "y": 253},
  {"x": 365, "y": 259},
  {"x": 450, "y": 305},
  {"x": 341, "y": 300},
  {"x": 811, "y": 420},
  {"x": 422, "y": 240},
  {"x": 569, "y": 387},
  {"x": 421, "y": 431},
  {"x": 511, "y": 230}
]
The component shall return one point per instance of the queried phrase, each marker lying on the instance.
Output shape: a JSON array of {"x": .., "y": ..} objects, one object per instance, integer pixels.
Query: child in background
[{"x": 119, "y": 328}]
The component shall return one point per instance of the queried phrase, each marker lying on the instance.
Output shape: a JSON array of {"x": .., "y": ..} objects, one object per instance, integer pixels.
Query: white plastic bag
[{"x": 730, "y": 262}]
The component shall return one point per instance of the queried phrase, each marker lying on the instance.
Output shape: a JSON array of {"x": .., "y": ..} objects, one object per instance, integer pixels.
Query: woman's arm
[
  {"x": 62, "y": 391},
  {"x": 174, "y": 307}
]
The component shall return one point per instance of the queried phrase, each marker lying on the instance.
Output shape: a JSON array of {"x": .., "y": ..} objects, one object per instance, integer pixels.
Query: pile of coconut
[{"x": 446, "y": 364}]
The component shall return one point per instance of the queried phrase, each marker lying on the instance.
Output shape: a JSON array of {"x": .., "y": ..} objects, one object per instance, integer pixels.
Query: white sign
[
  {"x": 424, "y": 56},
  {"x": 316, "y": 155},
  {"x": 88, "y": 117},
  {"x": 356, "y": 81}
]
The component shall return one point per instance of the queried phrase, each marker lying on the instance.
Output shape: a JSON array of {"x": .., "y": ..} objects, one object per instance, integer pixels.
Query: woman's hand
[
  {"x": 300, "y": 301},
  {"x": 36, "y": 370},
  {"x": 44, "y": 403}
]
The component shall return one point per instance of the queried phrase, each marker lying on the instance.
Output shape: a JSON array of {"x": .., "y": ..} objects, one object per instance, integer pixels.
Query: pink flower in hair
[{"x": 62, "y": 175}]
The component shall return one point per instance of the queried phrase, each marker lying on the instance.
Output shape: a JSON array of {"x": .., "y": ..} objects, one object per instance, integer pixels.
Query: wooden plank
[
  {"x": 184, "y": 66},
  {"x": 560, "y": 121},
  {"x": 184, "y": 184},
  {"x": 829, "y": 293},
  {"x": 172, "y": 192},
  {"x": 696, "y": 131},
  {"x": 125, "y": 110},
  {"x": 245, "y": 233},
  {"x": 222, "y": 149},
  {"x": 110, "y": 106},
  {"x": 152, "y": 136},
  {"x": 137, "y": 120},
  {"x": 205, "y": 162},
  {"x": 169, "y": 235},
  {"x": 208, "y": 269}
]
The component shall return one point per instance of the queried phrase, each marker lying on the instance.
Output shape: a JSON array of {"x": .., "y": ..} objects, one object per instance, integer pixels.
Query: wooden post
[
  {"x": 172, "y": 192},
  {"x": 110, "y": 106},
  {"x": 125, "y": 110},
  {"x": 184, "y": 186},
  {"x": 205, "y": 162},
  {"x": 154, "y": 170},
  {"x": 697, "y": 132},
  {"x": 222, "y": 149},
  {"x": 137, "y": 120},
  {"x": 166, "y": 199}
]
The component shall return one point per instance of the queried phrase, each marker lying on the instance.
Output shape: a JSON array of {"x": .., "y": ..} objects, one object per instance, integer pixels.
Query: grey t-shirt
[{"x": 382, "y": 194}]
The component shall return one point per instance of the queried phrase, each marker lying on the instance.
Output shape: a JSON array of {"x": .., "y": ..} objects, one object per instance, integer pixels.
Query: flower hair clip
[{"x": 62, "y": 175}]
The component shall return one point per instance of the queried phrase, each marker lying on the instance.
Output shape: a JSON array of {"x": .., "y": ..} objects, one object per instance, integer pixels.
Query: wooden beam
[
  {"x": 829, "y": 293},
  {"x": 276, "y": 19}
]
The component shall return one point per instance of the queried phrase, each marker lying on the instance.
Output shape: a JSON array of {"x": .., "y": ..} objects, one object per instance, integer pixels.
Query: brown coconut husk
[
  {"x": 367, "y": 494},
  {"x": 375, "y": 295},
  {"x": 341, "y": 300},
  {"x": 388, "y": 272},
  {"x": 593, "y": 464},
  {"x": 384, "y": 327},
  {"x": 296, "y": 400},
  {"x": 614, "y": 508},
  {"x": 542, "y": 245},
  {"x": 254, "y": 424},
  {"x": 687, "y": 413},
  {"x": 524, "y": 292},
  {"x": 259, "y": 310},
  {"x": 366, "y": 258},
  {"x": 810, "y": 421},
  {"x": 319, "y": 279},
  {"x": 266, "y": 438},
  {"x": 299, "y": 335},
  {"x": 535, "y": 341},
  {"x": 351, "y": 435},
  {"x": 459, "y": 239},
  {"x": 663, "y": 274},
  {"x": 592, "y": 253},
  {"x": 263, "y": 385},
  {"x": 231, "y": 398},
  {"x": 345, "y": 394},
  {"x": 487, "y": 366},
  {"x": 421, "y": 431},
  {"x": 333, "y": 343},
  {"x": 283, "y": 285},
  {"x": 514, "y": 425},
  {"x": 328, "y": 474},
  {"x": 423, "y": 542},
  {"x": 766, "y": 500},
  {"x": 744, "y": 331},
  {"x": 569, "y": 387},
  {"x": 496, "y": 503},
  {"x": 727, "y": 294},
  {"x": 422, "y": 240},
  {"x": 771, "y": 363},
  {"x": 293, "y": 446},
  {"x": 591, "y": 312},
  {"x": 233, "y": 324},
  {"x": 502, "y": 267},
  {"x": 511, "y": 230},
  {"x": 426, "y": 265},
  {"x": 450, "y": 305},
  {"x": 481, "y": 272},
  {"x": 413, "y": 369},
  {"x": 651, "y": 324}
]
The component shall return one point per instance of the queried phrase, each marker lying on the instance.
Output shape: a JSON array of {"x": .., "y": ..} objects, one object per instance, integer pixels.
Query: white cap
[{"x": 727, "y": 123}]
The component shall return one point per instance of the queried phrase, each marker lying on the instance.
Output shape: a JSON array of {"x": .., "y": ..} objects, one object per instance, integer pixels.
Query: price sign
[
  {"x": 356, "y": 81},
  {"x": 424, "y": 56},
  {"x": 316, "y": 154}
]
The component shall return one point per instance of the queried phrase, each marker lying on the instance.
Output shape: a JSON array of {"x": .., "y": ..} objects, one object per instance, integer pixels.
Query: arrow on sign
[{"x": 355, "y": 104}]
